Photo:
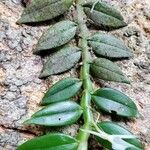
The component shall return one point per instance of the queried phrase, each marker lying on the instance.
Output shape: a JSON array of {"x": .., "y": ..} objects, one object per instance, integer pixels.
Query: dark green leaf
[
  {"x": 57, "y": 35},
  {"x": 104, "y": 15},
  {"x": 111, "y": 100},
  {"x": 42, "y": 10},
  {"x": 61, "y": 61},
  {"x": 57, "y": 114},
  {"x": 105, "y": 69},
  {"x": 62, "y": 90},
  {"x": 106, "y": 9},
  {"x": 109, "y": 46},
  {"x": 54, "y": 141},
  {"x": 114, "y": 129}
]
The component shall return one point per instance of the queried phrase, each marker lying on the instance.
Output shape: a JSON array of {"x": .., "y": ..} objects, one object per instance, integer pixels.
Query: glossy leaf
[
  {"x": 111, "y": 100},
  {"x": 61, "y": 61},
  {"x": 62, "y": 90},
  {"x": 105, "y": 69},
  {"x": 44, "y": 10},
  {"x": 109, "y": 46},
  {"x": 104, "y": 15},
  {"x": 114, "y": 129},
  {"x": 57, "y": 35},
  {"x": 54, "y": 141},
  {"x": 57, "y": 114}
]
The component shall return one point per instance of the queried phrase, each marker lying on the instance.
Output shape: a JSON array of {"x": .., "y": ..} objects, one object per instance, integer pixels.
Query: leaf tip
[
  {"x": 43, "y": 102},
  {"x": 19, "y": 21},
  {"x": 124, "y": 23},
  {"x": 27, "y": 122},
  {"x": 137, "y": 115},
  {"x": 127, "y": 81},
  {"x": 35, "y": 51},
  {"x": 43, "y": 75}
]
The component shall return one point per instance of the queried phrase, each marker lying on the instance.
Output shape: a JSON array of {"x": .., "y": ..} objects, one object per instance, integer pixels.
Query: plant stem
[{"x": 87, "y": 85}]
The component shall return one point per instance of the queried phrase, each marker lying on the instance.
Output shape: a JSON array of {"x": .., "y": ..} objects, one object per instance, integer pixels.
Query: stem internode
[{"x": 85, "y": 77}]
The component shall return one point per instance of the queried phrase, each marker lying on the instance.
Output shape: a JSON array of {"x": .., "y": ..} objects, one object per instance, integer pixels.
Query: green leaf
[
  {"x": 54, "y": 141},
  {"x": 44, "y": 10},
  {"x": 61, "y": 61},
  {"x": 111, "y": 100},
  {"x": 57, "y": 114},
  {"x": 105, "y": 69},
  {"x": 109, "y": 46},
  {"x": 104, "y": 15},
  {"x": 57, "y": 35},
  {"x": 62, "y": 90},
  {"x": 114, "y": 129}
]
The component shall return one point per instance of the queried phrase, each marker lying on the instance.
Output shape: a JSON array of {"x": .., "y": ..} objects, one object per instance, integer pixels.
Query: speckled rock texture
[{"x": 21, "y": 90}]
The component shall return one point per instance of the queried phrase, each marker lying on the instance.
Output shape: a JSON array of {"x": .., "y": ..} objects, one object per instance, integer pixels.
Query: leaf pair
[
  {"x": 100, "y": 13},
  {"x": 61, "y": 111},
  {"x": 111, "y": 100},
  {"x": 65, "y": 57}
]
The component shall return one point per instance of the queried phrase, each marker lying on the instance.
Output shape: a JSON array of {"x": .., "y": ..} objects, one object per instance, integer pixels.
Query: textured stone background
[{"x": 21, "y": 90}]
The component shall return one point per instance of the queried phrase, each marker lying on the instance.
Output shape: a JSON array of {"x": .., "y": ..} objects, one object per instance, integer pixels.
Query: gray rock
[
  {"x": 130, "y": 31},
  {"x": 10, "y": 96},
  {"x": 13, "y": 88},
  {"x": 10, "y": 113},
  {"x": 21, "y": 102},
  {"x": 9, "y": 139},
  {"x": 4, "y": 56}
]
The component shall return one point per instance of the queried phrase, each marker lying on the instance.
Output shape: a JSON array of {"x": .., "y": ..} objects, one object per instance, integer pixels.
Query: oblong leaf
[
  {"x": 53, "y": 141},
  {"x": 62, "y": 90},
  {"x": 104, "y": 15},
  {"x": 61, "y": 61},
  {"x": 57, "y": 35},
  {"x": 111, "y": 100},
  {"x": 105, "y": 69},
  {"x": 57, "y": 114},
  {"x": 109, "y": 46},
  {"x": 114, "y": 129},
  {"x": 44, "y": 10}
]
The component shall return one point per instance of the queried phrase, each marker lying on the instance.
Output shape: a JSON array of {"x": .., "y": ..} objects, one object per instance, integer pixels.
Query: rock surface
[{"x": 21, "y": 90}]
